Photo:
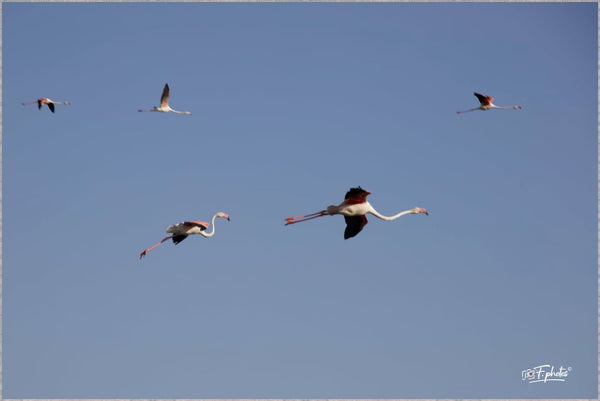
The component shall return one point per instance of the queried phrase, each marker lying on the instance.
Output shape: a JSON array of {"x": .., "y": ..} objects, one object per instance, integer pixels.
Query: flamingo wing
[
  {"x": 200, "y": 224},
  {"x": 355, "y": 196},
  {"x": 40, "y": 103},
  {"x": 164, "y": 99},
  {"x": 354, "y": 224},
  {"x": 51, "y": 106},
  {"x": 183, "y": 227},
  {"x": 483, "y": 99},
  {"x": 178, "y": 238}
]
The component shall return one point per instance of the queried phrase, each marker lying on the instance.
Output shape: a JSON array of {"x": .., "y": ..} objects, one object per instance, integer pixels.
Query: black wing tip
[
  {"x": 178, "y": 238},
  {"x": 354, "y": 191},
  {"x": 350, "y": 233},
  {"x": 354, "y": 225}
]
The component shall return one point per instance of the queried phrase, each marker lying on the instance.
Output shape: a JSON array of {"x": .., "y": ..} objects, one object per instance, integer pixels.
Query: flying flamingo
[
  {"x": 486, "y": 104},
  {"x": 45, "y": 100},
  {"x": 164, "y": 103},
  {"x": 181, "y": 230},
  {"x": 354, "y": 209}
]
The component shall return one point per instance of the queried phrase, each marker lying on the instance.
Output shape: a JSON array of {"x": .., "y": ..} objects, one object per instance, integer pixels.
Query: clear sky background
[{"x": 293, "y": 104}]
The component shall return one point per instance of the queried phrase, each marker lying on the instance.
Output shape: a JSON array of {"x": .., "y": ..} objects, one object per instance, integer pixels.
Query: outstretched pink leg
[
  {"x": 298, "y": 219},
  {"x": 466, "y": 111},
  {"x": 154, "y": 246}
]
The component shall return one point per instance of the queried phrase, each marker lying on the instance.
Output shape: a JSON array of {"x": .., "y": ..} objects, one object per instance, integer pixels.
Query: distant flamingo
[
  {"x": 164, "y": 103},
  {"x": 45, "y": 100},
  {"x": 180, "y": 231},
  {"x": 486, "y": 104},
  {"x": 354, "y": 209}
]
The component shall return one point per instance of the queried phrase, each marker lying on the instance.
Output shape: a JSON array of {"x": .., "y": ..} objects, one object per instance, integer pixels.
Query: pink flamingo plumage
[
  {"x": 181, "y": 231},
  {"x": 45, "y": 101},
  {"x": 486, "y": 104},
  {"x": 354, "y": 209},
  {"x": 164, "y": 103}
]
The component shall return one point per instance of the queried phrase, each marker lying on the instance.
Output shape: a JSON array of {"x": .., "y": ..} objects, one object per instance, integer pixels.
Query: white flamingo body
[
  {"x": 485, "y": 103},
  {"x": 189, "y": 227},
  {"x": 45, "y": 101},
  {"x": 164, "y": 104},
  {"x": 354, "y": 208},
  {"x": 181, "y": 231},
  {"x": 366, "y": 208}
]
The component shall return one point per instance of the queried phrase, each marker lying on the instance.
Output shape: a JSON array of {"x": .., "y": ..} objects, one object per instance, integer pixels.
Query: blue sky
[{"x": 293, "y": 104}]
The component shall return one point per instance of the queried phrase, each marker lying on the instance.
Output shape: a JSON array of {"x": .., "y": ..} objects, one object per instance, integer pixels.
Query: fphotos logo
[{"x": 545, "y": 373}]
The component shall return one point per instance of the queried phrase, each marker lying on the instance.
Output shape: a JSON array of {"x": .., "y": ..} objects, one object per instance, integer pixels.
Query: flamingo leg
[
  {"x": 154, "y": 246},
  {"x": 466, "y": 111},
  {"x": 298, "y": 219}
]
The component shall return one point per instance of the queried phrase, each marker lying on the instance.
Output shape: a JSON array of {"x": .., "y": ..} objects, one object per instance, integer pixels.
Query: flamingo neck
[
  {"x": 179, "y": 112},
  {"x": 212, "y": 231},
  {"x": 389, "y": 218}
]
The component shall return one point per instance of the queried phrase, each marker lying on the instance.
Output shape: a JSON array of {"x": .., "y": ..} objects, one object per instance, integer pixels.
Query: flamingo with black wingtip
[
  {"x": 486, "y": 104},
  {"x": 164, "y": 104},
  {"x": 354, "y": 208},
  {"x": 181, "y": 231},
  {"x": 45, "y": 101}
]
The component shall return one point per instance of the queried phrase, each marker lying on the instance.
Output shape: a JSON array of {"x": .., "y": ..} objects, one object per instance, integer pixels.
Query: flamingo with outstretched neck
[
  {"x": 164, "y": 104},
  {"x": 354, "y": 209},
  {"x": 181, "y": 231},
  {"x": 45, "y": 101},
  {"x": 485, "y": 103}
]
